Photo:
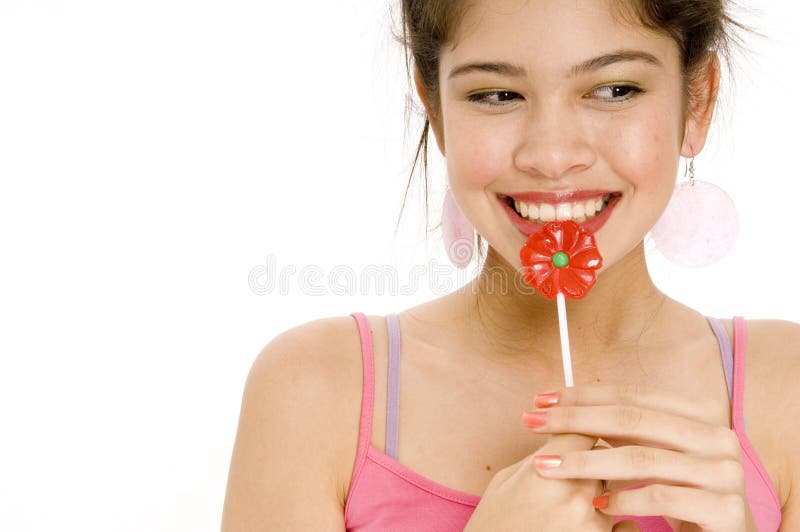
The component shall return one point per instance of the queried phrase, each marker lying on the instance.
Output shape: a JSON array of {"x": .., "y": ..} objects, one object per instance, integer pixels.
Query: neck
[{"x": 512, "y": 321}]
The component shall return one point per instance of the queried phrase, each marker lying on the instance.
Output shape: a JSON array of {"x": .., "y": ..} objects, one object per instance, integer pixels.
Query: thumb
[
  {"x": 626, "y": 526},
  {"x": 561, "y": 443}
]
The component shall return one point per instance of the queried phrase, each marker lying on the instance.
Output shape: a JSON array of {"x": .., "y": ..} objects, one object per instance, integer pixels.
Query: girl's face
[{"x": 567, "y": 109}]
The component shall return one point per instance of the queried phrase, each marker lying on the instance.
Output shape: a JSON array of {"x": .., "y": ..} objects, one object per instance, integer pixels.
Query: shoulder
[
  {"x": 773, "y": 358},
  {"x": 313, "y": 374},
  {"x": 309, "y": 358},
  {"x": 784, "y": 336},
  {"x": 298, "y": 425}
]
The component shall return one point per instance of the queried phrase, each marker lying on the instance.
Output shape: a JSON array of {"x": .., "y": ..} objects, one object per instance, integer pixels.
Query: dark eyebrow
[
  {"x": 590, "y": 65},
  {"x": 599, "y": 62},
  {"x": 504, "y": 69}
]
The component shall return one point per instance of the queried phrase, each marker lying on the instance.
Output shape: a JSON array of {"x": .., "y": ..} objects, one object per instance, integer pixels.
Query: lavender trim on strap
[
  {"x": 726, "y": 350},
  {"x": 727, "y": 357},
  {"x": 393, "y": 386}
]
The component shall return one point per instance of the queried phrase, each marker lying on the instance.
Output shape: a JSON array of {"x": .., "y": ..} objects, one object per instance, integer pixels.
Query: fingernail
[
  {"x": 534, "y": 419},
  {"x": 544, "y": 400},
  {"x": 546, "y": 461},
  {"x": 600, "y": 502}
]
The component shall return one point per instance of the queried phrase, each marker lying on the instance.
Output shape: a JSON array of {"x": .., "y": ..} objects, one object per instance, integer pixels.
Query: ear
[
  {"x": 434, "y": 119},
  {"x": 698, "y": 120}
]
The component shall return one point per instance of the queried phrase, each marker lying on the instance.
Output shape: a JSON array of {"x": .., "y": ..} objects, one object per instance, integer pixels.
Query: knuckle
[
  {"x": 658, "y": 496},
  {"x": 574, "y": 395},
  {"x": 733, "y": 474},
  {"x": 576, "y": 500},
  {"x": 565, "y": 418},
  {"x": 733, "y": 507},
  {"x": 641, "y": 458},
  {"x": 581, "y": 463},
  {"x": 629, "y": 417},
  {"x": 500, "y": 477},
  {"x": 627, "y": 393},
  {"x": 733, "y": 442},
  {"x": 575, "y": 506},
  {"x": 730, "y": 442}
]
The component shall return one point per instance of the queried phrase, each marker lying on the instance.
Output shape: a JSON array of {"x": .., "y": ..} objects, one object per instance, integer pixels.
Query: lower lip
[{"x": 527, "y": 227}]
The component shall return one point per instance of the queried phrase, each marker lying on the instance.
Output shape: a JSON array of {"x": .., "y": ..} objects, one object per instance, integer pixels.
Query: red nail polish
[
  {"x": 544, "y": 400},
  {"x": 600, "y": 502},
  {"x": 546, "y": 461},
  {"x": 534, "y": 419}
]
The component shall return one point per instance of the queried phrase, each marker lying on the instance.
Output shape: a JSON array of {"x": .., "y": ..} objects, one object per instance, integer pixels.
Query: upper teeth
[{"x": 547, "y": 212}]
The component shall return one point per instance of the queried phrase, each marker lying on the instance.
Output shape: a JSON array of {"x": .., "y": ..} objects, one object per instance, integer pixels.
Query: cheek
[
  {"x": 477, "y": 154},
  {"x": 641, "y": 149}
]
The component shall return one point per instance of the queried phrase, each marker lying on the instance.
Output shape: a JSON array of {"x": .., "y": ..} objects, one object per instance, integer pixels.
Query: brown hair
[{"x": 696, "y": 26}]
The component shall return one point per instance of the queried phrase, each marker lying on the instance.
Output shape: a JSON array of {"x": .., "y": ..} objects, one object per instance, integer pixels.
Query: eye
[
  {"x": 493, "y": 98},
  {"x": 616, "y": 93}
]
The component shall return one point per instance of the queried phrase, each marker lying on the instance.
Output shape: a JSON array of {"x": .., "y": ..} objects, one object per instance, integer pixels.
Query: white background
[{"x": 155, "y": 154}]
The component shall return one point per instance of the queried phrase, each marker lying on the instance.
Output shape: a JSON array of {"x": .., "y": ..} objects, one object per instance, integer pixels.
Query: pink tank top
[{"x": 387, "y": 496}]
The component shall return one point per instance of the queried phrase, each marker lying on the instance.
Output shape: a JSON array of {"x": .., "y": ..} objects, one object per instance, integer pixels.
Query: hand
[
  {"x": 517, "y": 499},
  {"x": 693, "y": 467}
]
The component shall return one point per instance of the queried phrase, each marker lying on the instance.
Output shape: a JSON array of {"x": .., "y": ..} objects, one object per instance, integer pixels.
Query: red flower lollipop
[{"x": 562, "y": 257}]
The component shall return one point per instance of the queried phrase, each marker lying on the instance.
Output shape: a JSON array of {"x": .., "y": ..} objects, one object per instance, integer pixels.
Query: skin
[
  {"x": 558, "y": 135},
  {"x": 479, "y": 355},
  {"x": 556, "y": 132}
]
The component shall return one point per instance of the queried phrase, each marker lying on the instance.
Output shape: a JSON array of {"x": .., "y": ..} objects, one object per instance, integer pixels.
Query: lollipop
[{"x": 560, "y": 260}]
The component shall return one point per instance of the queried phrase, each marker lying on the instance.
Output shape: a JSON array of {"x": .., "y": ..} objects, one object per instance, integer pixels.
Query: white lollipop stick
[{"x": 566, "y": 359}]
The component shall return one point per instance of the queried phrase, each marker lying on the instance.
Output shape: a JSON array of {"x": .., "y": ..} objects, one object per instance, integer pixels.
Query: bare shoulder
[
  {"x": 781, "y": 335},
  {"x": 311, "y": 359},
  {"x": 773, "y": 357},
  {"x": 299, "y": 418}
]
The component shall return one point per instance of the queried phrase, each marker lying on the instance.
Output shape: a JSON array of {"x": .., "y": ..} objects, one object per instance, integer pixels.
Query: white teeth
[
  {"x": 563, "y": 211},
  {"x": 547, "y": 212}
]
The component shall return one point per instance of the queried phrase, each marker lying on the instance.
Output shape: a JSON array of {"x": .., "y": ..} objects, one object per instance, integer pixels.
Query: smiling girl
[{"x": 542, "y": 109}]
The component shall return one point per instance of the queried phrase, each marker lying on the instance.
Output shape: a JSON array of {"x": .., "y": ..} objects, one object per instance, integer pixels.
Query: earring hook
[{"x": 689, "y": 168}]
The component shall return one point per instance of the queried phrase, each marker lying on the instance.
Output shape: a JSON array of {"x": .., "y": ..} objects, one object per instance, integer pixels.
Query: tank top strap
[
  {"x": 393, "y": 386},
  {"x": 739, "y": 341},
  {"x": 725, "y": 351},
  {"x": 367, "y": 393}
]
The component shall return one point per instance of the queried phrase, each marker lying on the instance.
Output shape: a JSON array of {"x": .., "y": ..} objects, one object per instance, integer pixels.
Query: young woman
[{"x": 537, "y": 104}]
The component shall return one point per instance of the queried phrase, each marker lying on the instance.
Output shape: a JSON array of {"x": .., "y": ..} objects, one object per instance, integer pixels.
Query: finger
[
  {"x": 557, "y": 445},
  {"x": 650, "y": 465},
  {"x": 626, "y": 526},
  {"x": 713, "y": 512},
  {"x": 563, "y": 443},
  {"x": 628, "y": 394},
  {"x": 638, "y": 425}
]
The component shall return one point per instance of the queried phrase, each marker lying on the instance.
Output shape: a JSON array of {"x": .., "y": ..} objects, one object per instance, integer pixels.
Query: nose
[{"x": 553, "y": 143}]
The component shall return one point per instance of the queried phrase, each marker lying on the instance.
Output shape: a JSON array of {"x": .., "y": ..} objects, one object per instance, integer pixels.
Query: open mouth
[{"x": 590, "y": 213}]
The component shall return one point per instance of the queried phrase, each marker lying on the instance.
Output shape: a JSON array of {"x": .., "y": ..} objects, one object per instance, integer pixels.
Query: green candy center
[{"x": 560, "y": 259}]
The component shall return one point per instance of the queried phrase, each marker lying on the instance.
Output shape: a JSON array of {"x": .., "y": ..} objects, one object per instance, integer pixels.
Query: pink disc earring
[
  {"x": 458, "y": 233},
  {"x": 700, "y": 224}
]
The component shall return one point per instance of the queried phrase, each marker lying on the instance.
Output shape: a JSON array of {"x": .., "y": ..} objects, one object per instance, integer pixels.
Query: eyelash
[{"x": 480, "y": 98}]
